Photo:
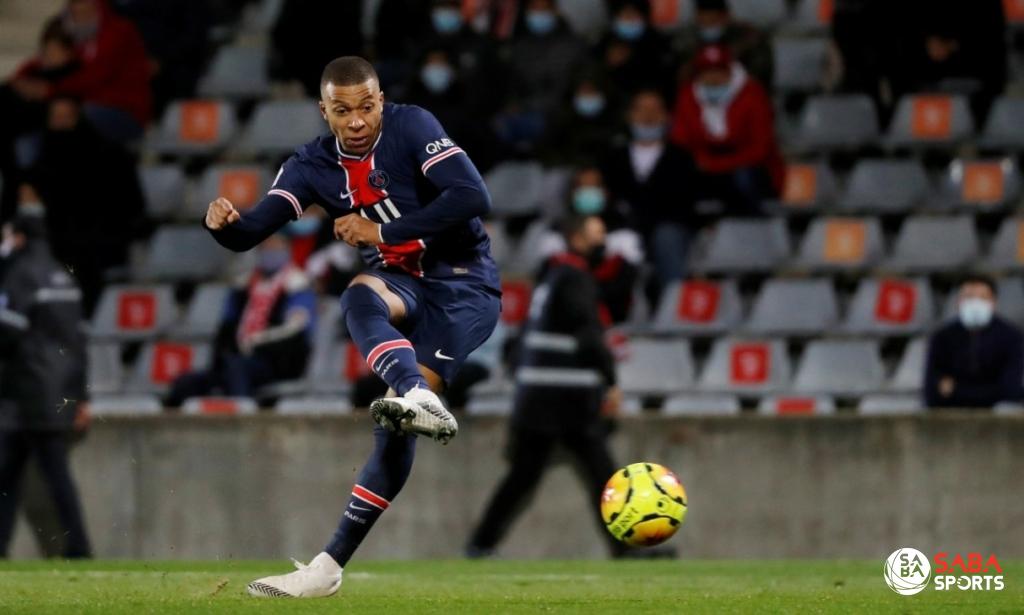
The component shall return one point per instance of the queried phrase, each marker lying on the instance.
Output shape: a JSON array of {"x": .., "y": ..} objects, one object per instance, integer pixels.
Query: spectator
[
  {"x": 977, "y": 360},
  {"x": 714, "y": 25},
  {"x": 42, "y": 386},
  {"x": 265, "y": 333},
  {"x": 581, "y": 130},
  {"x": 866, "y": 38},
  {"x": 654, "y": 180},
  {"x": 399, "y": 25},
  {"x": 309, "y": 34},
  {"x": 725, "y": 119},
  {"x": 634, "y": 54},
  {"x": 94, "y": 203}
]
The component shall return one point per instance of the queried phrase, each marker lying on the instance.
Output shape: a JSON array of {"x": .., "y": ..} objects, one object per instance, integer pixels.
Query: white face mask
[{"x": 976, "y": 313}]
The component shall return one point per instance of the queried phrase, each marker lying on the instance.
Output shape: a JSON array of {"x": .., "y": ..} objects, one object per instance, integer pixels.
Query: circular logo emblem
[
  {"x": 379, "y": 179},
  {"x": 907, "y": 571}
]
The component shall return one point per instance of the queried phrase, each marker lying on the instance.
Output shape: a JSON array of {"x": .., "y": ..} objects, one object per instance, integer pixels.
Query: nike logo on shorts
[{"x": 443, "y": 357}]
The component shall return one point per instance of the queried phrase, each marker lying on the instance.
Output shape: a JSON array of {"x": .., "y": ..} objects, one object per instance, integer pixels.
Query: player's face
[{"x": 354, "y": 114}]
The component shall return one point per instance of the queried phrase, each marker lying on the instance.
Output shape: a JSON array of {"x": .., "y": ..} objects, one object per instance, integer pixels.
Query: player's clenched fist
[
  {"x": 357, "y": 231},
  {"x": 221, "y": 213}
]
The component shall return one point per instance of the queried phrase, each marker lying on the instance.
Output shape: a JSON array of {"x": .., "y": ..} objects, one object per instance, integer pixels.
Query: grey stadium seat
[
  {"x": 164, "y": 188},
  {"x": 840, "y": 367},
  {"x": 1005, "y": 126},
  {"x": 890, "y": 307},
  {"x": 837, "y": 123},
  {"x": 489, "y": 405},
  {"x": 690, "y": 404},
  {"x": 789, "y": 405},
  {"x": 808, "y": 16},
  {"x": 194, "y": 128},
  {"x": 202, "y": 317},
  {"x": 909, "y": 374},
  {"x": 105, "y": 373},
  {"x": 263, "y": 136},
  {"x": 740, "y": 245},
  {"x": 981, "y": 184},
  {"x": 808, "y": 186},
  {"x": 124, "y": 405},
  {"x": 746, "y": 366},
  {"x": 764, "y": 13},
  {"x": 330, "y": 368},
  {"x": 885, "y": 186},
  {"x": 236, "y": 72},
  {"x": 656, "y": 366},
  {"x": 313, "y": 406},
  {"x": 930, "y": 119},
  {"x": 515, "y": 188},
  {"x": 183, "y": 253},
  {"x": 799, "y": 63},
  {"x": 880, "y": 404},
  {"x": 1007, "y": 250},
  {"x": 160, "y": 363},
  {"x": 132, "y": 313},
  {"x": 794, "y": 307},
  {"x": 243, "y": 185},
  {"x": 699, "y": 307},
  {"x": 939, "y": 244},
  {"x": 841, "y": 244}
]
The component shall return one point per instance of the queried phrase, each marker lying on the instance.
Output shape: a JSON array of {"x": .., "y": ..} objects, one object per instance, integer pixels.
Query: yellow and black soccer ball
[{"x": 643, "y": 504}]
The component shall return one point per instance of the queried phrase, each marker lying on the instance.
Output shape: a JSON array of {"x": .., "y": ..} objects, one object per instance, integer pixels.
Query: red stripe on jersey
[
  {"x": 362, "y": 193},
  {"x": 370, "y": 497},
  {"x": 381, "y": 348}
]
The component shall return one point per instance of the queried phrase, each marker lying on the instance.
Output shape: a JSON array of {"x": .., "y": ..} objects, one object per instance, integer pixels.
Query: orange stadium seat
[{"x": 841, "y": 244}]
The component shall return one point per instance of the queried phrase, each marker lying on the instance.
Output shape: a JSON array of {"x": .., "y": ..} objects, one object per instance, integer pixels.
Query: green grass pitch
[{"x": 491, "y": 588}]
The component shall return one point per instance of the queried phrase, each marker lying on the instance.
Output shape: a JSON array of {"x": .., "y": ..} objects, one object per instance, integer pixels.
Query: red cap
[{"x": 712, "y": 56}]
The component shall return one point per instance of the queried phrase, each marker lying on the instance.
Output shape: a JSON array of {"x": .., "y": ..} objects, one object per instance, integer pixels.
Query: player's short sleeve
[
  {"x": 291, "y": 184},
  {"x": 428, "y": 140}
]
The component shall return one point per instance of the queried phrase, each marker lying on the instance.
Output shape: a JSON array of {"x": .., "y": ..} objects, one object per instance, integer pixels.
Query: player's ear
[{"x": 323, "y": 110}]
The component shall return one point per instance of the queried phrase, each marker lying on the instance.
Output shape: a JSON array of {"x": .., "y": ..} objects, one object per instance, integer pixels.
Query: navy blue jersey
[{"x": 418, "y": 184}]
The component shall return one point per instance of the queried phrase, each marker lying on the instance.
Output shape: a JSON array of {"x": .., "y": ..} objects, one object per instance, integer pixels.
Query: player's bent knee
[{"x": 366, "y": 294}]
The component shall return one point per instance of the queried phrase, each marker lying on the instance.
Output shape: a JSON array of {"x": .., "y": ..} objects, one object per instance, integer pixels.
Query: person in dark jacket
[
  {"x": 632, "y": 52},
  {"x": 565, "y": 382},
  {"x": 977, "y": 360},
  {"x": 42, "y": 376},
  {"x": 265, "y": 333}
]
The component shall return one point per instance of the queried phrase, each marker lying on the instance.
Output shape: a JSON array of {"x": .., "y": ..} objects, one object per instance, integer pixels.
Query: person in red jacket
[
  {"x": 113, "y": 78},
  {"x": 724, "y": 118}
]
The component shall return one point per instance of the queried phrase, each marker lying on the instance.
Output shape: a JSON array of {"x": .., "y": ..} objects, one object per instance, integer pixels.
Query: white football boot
[
  {"x": 317, "y": 579},
  {"x": 420, "y": 411}
]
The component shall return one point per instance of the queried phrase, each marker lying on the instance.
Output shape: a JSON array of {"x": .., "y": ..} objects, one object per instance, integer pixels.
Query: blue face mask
[
  {"x": 628, "y": 29},
  {"x": 304, "y": 227},
  {"x": 647, "y": 132},
  {"x": 714, "y": 93},
  {"x": 712, "y": 34},
  {"x": 271, "y": 261},
  {"x": 446, "y": 20},
  {"x": 541, "y": 22},
  {"x": 588, "y": 200},
  {"x": 437, "y": 77},
  {"x": 588, "y": 105}
]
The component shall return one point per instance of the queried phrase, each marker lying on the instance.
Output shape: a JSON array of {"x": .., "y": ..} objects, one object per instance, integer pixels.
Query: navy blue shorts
[{"x": 445, "y": 320}]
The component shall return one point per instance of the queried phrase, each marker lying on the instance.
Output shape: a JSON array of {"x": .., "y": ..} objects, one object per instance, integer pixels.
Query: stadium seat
[
  {"x": 1007, "y": 250},
  {"x": 909, "y": 374},
  {"x": 181, "y": 253},
  {"x": 218, "y": 406},
  {"x": 655, "y": 366},
  {"x": 194, "y": 128},
  {"x": 799, "y": 63},
  {"x": 502, "y": 246},
  {"x": 840, "y": 367},
  {"x": 105, "y": 373},
  {"x": 885, "y": 186},
  {"x": 813, "y": 16},
  {"x": 1004, "y": 129},
  {"x": 515, "y": 301},
  {"x": 690, "y": 404},
  {"x": 202, "y": 317},
  {"x": 243, "y": 185},
  {"x": 161, "y": 362},
  {"x": 263, "y": 137},
  {"x": 923, "y": 120},
  {"x": 236, "y": 72},
  {"x": 808, "y": 186},
  {"x": 762, "y": 13},
  {"x": 131, "y": 313},
  {"x": 313, "y": 406},
  {"x": 880, "y": 404},
  {"x": 837, "y": 123},
  {"x": 740, "y": 245},
  {"x": 335, "y": 367},
  {"x": 164, "y": 188},
  {"x": 796, "y": 406},
  {"x": 981, "y": 184},
  {"x": 934, "y": 244},
  {"x": 699, "y": 307},
  {"x": 890, "y": 306},
  {"x": 515, "y": 188},
  {"x": 841, "y": 244},
  {"x": 746, "y": 366},
  {"x": 124, "y": 405},
  {"x": 794, "y": 307},
  {"x": 489, "y": 405}
]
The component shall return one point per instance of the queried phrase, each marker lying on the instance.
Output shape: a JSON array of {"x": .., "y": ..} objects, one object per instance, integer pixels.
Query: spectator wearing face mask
[
  {"x": 265, "y": 334},
  {"x": 585, "y": 126},
  {"x": 632, "y": 53},
  {"x": 977, "y": 360},
  {"x": 713, "y": 24},
  {"x": 654, "y": 184},
  {"x": 725, "y": 119}
]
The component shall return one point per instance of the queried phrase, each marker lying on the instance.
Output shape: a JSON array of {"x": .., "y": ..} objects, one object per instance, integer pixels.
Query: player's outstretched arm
[{"x": 239, "y": 232}]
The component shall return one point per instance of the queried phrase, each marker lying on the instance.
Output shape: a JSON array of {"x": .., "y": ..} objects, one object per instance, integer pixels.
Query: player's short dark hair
[
  {"x": 348, "y": 70},
  {"x": 980, "y": 278}
]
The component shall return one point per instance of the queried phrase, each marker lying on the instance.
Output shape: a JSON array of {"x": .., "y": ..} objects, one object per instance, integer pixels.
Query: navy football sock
[
  {"x": 379, "y": 482},
  {"x": 386, "y": 351}
]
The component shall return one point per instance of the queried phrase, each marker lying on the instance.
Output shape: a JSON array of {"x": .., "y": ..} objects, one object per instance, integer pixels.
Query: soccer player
[{"x": 406, "y": 195}]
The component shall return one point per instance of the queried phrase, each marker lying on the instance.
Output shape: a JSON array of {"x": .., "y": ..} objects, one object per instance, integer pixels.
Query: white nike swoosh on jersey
[
  {"x": 348, "y": 195},
  {"x": 443, "y": 357},
  {"x": 358, "y": 507}
]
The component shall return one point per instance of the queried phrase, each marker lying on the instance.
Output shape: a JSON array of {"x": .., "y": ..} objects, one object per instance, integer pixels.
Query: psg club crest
[{"x": 379, "y": 179}]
